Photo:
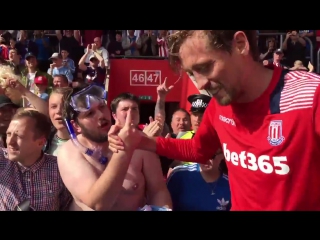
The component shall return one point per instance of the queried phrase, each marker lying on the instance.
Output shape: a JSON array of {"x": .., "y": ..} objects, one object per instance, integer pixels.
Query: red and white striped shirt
[{"x": 163, "y": 47}]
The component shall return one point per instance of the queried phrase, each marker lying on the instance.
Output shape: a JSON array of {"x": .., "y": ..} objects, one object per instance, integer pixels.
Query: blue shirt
[
  {"x": 132, "y": 39},
  {"x": 71, "y": 65},
  {"x": 42, "y": 51},
  {"x": 190, "y": 192},
  {"x": 44, "y": 96},
  {"x": 62, "y": 71}
]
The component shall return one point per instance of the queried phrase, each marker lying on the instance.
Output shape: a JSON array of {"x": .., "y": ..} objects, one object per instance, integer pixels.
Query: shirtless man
[{"x": 131, "y": 179}]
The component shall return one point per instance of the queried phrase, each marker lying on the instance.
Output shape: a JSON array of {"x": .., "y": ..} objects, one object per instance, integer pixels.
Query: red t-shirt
[{"x": 271, "y": 145}]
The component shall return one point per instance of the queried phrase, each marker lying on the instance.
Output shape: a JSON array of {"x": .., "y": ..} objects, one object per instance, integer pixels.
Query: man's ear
[
  {"x": 42, "y": 141},
  {"x": 75, "y": 126},
  {"x": 114, "y": 116}
]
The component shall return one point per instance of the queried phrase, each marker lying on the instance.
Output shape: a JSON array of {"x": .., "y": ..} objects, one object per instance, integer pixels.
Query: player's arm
[
  {"x": 157, "y": 192},
  {"x": 316, "y": 106},
  {"x": 198, "y": 149},
  {"x": 98, "y": 193}
]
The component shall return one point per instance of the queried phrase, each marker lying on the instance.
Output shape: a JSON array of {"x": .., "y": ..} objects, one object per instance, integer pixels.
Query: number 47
[{"x": 153, "y": 78}]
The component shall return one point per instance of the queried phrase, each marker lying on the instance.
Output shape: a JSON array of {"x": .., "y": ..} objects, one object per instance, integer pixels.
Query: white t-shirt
[{"x": 30, "y": 86}]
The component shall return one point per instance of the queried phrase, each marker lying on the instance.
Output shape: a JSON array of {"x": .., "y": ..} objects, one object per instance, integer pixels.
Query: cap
[
  {"x": 41, "y": 80},
  {"x": 279, "y": 50},
  {"x": 199, "y": 102},
  {"x": 29, "y": 55},
  {"x": 4, "y": 100},
  {"x": 92, "y": 57},
  {"x": 55, "y": 55}
]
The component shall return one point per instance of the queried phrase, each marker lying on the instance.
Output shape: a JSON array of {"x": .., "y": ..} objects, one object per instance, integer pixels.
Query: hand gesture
[
  {"x": 52, "y": 65},
  {"x": 153, "y": 129},
  {"x": 288, "y": 35},
  {"x": 89, "y": 50},
  {"x": 129, "y": 134},
  {"x": 265, "y": 63},
  {"x": 163, "y": 90},
  {"x": 17, "y": 85},
  {"x": 94, "y": 47}
]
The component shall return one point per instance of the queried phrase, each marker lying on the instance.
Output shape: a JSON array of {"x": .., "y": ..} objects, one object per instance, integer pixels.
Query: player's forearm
[
  {"x": 104, "y": 193},
  {"x": 181, "y": 149}
]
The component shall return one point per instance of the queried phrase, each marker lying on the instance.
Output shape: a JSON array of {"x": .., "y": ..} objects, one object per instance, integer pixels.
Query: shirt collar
[{"x": 33, "y": 168}]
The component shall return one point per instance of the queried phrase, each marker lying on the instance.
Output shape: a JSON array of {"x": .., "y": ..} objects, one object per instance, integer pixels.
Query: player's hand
[
  {"x": 163, "y": 90},
  {"x": 153, "y": 129},
  {"x": 129, "y": 134}
]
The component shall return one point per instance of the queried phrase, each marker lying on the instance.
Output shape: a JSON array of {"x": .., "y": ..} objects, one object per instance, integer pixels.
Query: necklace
[
  {"x": 61, "y": 139},
  {"x": 213, "y": 185}
]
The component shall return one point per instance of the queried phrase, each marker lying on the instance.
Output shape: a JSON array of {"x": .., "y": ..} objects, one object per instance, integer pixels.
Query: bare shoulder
[{"x": 74, "y": 169}]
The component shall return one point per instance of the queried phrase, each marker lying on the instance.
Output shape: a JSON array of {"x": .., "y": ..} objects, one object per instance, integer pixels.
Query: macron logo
[{"x": 227, "y": 120}]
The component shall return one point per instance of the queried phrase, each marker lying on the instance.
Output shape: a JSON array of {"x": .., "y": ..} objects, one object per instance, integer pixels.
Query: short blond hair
[{"x": 42, "y": 123}]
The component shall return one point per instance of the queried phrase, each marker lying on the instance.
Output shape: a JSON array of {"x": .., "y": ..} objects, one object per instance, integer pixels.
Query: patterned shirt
[{"x": 41, "y": 184}]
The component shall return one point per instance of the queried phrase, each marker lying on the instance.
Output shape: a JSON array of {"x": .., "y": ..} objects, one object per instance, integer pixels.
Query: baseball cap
[
  {"x": 55, "y": 55},
  {"x": 29, "y": 55},
  {"x": 41, "y": 80},
  {"x": 279, "y": 50},
  {"x": 4, "y": 100}
]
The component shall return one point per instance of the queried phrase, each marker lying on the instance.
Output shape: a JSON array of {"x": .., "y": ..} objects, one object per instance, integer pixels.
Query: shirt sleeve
[
  {"x": 198, "y": 149},
  {"x": 69, "y": 75}
]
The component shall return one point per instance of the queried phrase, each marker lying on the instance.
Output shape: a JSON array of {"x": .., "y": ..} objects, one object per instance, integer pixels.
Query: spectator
[
  {"x": 15, "y": 61},
  {"x": 90, "y": 35},
  {"x": 58, "y": 68},
  {"x": 200, "y": 187},
  {"x": 7, "y": 110},
  {"x": 294, "y": 47},
  {"x": 115, "y": 47},
  {"x": 268, "y": 52},
  {"x": 70, "y": 42},
  {"x": 68, "y": 62},
  {"x": 24, "y": 45},
  {"x": 43, "y": 49},
  {"x": 311, "y": 34},
  {"x": 277, "y": 60},
  {"x": 4, "y": 51},
  {"x": 180, "y": 121},
  {"x": 132, "y": 44},
  {"x": 12, "y": 43},
  {"x": 59, "y": 134},
  {"x": 41, "y": 183},
  {"x": 148, "y": 44},
  {"x": 60, "y": 81},
  {"x": 162, "y": 43},
  {"x": 42, "y": 85},
  {"x": 30, "y": 72},
  {"x": 95, "y": 72},
  {"x": 6, "y": 35},
  {"x": 96, "y": 47}
]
